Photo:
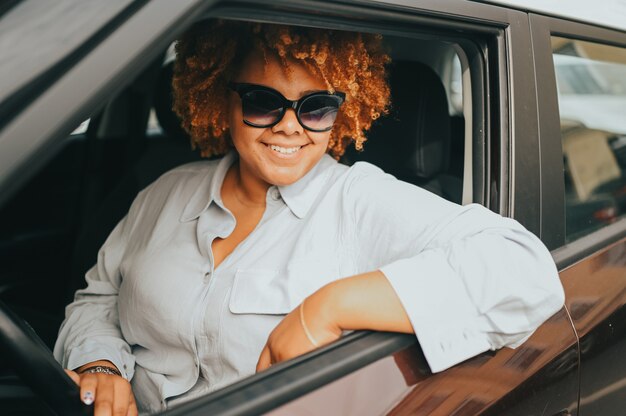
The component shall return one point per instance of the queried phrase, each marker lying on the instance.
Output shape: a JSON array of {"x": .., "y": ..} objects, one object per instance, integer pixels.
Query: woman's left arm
[
  {"x": 364, "y": 301},
  {"x": 462, "y": 278}
]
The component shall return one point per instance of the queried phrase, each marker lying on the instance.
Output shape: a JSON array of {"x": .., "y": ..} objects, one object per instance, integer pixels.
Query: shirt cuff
[
  {"x": 95, "y": 350},
  {"x": 446, "y": 323}
]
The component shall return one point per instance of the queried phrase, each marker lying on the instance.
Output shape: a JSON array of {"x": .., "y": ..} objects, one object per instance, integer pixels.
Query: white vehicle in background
[{"x": 591, "y": 92}]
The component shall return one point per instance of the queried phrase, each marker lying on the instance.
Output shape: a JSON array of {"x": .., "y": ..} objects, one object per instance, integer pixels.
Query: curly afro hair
[{"x": 211, "y": 53}]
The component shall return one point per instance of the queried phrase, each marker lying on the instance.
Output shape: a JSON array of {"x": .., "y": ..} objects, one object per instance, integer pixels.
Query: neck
[{"x": 249, "y": 189}]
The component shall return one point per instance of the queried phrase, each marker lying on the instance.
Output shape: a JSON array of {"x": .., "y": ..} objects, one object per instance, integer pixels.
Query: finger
[
  {"x": 132, "y": 407},
  {"x": 104, "y": 396},
  {"x": 121, "y": 396},
  {"x": 264, "y": 360},
  {"x": 88, "y": 385},
  {"x": 73, "y": 375}
]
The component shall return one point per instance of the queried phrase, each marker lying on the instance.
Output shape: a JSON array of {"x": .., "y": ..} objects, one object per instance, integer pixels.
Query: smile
[{"x": 284, "y": 150}]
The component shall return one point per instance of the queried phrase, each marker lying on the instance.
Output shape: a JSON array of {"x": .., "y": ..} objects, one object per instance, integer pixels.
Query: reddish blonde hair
[{"x": 211, "y": 53}]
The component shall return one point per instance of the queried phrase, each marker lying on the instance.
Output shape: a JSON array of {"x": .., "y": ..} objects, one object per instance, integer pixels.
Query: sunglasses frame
[{"x": 243, "y": 88}]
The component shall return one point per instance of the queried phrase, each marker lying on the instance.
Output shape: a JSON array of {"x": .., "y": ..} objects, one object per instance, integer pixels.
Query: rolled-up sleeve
[
  {"x": 468, "y": 279},
  {"x": 91, "y": 329}
]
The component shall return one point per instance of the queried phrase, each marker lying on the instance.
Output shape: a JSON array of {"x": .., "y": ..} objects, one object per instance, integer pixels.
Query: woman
[{"x": 223, "y": 268}]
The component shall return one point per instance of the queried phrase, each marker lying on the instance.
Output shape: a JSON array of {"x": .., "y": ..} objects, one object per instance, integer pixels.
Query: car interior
[{"x": 54, "y": 226}]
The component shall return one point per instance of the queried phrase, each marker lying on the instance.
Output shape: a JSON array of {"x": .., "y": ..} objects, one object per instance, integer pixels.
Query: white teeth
[{"x": 285, "y": 150}]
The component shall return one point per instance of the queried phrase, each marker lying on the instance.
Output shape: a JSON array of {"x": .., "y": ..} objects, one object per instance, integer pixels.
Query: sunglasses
[{"x": 265, "y": 107}]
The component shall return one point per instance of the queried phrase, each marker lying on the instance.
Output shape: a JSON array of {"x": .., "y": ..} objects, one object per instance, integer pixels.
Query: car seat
[
  {"x": 161, "y": 153},
  {"x": 413, "y": 142}
]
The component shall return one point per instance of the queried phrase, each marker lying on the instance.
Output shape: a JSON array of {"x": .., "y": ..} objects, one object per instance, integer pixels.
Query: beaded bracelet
[{"x": 103, "y": 369}]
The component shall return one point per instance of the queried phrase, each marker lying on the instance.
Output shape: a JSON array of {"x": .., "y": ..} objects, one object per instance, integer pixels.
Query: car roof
[{"x": 609, "y": 13}]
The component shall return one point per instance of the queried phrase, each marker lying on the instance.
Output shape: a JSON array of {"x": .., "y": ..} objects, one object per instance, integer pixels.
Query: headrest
[
  {"x": 412, "y": 142},
  {"x": 169, "y": 121}
]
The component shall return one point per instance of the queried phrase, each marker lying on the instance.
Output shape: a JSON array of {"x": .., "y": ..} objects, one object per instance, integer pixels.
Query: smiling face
[{"x": 285, "y": 152}]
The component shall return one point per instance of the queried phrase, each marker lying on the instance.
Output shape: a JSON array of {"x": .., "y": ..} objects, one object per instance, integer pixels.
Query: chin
[
  {"x": 283, "y": 180},
  {"x": 284, "y": 175}
]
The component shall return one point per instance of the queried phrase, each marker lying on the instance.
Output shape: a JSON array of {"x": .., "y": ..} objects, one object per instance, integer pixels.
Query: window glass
[{"x": 591, "y": 82}]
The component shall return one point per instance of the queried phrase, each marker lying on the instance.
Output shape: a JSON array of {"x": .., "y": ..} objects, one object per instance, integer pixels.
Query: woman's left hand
[{"x": 289, "y": 339}]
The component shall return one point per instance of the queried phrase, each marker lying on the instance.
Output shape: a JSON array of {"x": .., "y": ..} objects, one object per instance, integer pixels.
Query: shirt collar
[
  {"x": 299, "y": 196},
  {"x": 209, "y": 189}
]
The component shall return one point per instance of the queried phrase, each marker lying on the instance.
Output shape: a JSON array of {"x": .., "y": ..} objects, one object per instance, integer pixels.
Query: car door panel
[
  {"x": 539, "y": 376},
  {"x": 597, "y": 301},
  {"x": 594, "y": 265}
]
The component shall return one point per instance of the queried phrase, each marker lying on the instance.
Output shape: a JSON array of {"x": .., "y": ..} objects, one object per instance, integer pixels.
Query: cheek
[
  {"x": 242, "y": 135},
  {"x": 320, "y": 140},
  {"x": 245, "y": 138}
]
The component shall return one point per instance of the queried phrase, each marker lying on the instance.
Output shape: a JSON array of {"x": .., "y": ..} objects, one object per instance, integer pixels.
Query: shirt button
[{"x": 275, "y": 194}]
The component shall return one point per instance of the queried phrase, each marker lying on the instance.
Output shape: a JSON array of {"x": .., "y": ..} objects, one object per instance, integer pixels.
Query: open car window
[{"x": 136, "y": 137}]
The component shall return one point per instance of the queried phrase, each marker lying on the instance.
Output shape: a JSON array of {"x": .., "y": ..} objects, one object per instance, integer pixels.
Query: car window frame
[{"x": 552, "y": 168}]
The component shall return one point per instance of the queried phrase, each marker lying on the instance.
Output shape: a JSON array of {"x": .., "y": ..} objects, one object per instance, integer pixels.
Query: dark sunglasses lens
[
  {"x": 261, "y": 108},
  {"x": 319, "y": 112}
]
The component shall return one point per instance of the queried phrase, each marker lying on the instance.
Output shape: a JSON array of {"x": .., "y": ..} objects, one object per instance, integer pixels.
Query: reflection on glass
[
  {"x": 82, "y": 127},
  {"x": 591, "y": 82}
]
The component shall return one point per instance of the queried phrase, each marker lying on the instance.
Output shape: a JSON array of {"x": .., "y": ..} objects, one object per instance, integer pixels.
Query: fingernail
[{"x": 88, "y": 398}]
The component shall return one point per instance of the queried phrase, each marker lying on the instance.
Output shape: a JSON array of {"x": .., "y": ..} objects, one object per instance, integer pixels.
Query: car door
[{"x": 582, "y": 100}]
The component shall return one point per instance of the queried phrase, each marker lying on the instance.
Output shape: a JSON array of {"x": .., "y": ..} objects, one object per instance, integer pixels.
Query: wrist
[
  {"x": 322, "y": 310},
  {"x": 102, "y": 363},
  {"x": 359, "y": 302},
  {"x": 101, "y": 369}
]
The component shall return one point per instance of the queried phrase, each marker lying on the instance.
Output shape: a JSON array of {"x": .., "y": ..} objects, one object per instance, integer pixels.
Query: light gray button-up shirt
[{"x": 178, "y": 327}]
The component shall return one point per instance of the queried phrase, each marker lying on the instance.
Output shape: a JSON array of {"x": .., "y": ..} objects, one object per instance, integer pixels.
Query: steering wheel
[{"x": 35, "y": 365}]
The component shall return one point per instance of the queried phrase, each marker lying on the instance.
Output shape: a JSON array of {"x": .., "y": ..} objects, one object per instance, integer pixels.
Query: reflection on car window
[
  {"x": 82, "y": 127},
  {"x": 591, "y": 82},
  {"x": 154, "y": 128},
  {"x": 456, "y": 86}
]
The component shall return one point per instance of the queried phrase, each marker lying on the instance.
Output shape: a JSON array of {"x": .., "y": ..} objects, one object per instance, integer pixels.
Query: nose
[{"x": 289, "y": 124}]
